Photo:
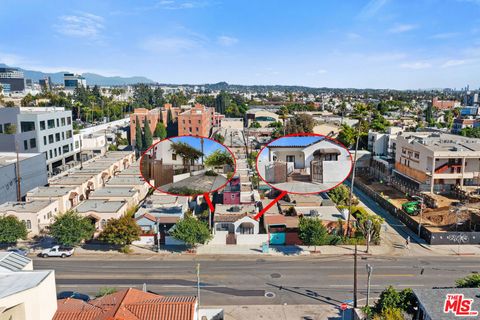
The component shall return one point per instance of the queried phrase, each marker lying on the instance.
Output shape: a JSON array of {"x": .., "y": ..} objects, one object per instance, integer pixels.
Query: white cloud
[
  {"x": 80, "y": 25},
  {"x": 371, "y": 8},
  {"x": 170, "y": 44},
  {"x": 400, "y": 28},
  {"x": 453, "y": 63},
  {"x": 353, "y": 36},
  {"x": 417, "y": 65},
  {"x": 11, "y": 59},
  {"x": 227, "y": 41},
  {"x": 446, "y": 35},
  {"x": 176, "y": 5}
]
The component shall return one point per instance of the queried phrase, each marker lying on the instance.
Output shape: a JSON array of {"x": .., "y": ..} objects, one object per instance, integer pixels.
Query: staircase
[{"x": 296, "y": 176}]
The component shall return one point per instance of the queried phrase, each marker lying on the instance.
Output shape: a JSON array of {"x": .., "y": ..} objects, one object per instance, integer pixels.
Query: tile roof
[{"x": 130, "y": 304}]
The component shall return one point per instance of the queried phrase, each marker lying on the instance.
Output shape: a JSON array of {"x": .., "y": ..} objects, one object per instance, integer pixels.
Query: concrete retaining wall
[{"x": 251, "y": 239}]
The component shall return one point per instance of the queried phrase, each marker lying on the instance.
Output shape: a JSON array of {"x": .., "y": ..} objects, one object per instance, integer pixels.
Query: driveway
[{"x": 199, "y": 182}]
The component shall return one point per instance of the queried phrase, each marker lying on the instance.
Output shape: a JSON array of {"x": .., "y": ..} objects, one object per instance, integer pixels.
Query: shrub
[{"x": 211, "y": 173}]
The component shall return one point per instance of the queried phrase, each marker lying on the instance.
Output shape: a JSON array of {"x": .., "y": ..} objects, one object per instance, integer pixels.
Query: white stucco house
[{"x": 322, "y": 162}]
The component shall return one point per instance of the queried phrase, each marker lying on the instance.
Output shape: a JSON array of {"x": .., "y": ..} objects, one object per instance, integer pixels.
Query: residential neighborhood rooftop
[
  {"x": 24, "y": 206},
  {"x": 50, "y": 191},
  {"x": 99, "y": 205},
  {"x": 234, "y": 209},
  {"x": 114, "y": 192},
  {"x": 15, "y": 282}
]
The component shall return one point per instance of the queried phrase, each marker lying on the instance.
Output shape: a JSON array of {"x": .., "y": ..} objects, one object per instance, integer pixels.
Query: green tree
[
  {"x": 347, "y": 135},
  {"x": 147, "y": 135},
  {"x": 138, "y": 135},
  {"x": 300, "y": 123},
  {"x": 71, "y": 228},
  {"x": 218, "y": 137},
  {"x": 340, "y": 195},
  {"x": 105, "y": 291},
  {"x": 191, "y": 231},
  {"x": 362, "y": 217},
  {"x": 160, "y": 131},
  {"x": 122, "y": 231},
  {"x": 312, "y": 232},
  {"x": 471, "y": 281},
  {"x": 169, "y": 116},
  {"x": 255, "y": 124},
  {"x": 187, "y": 152},
  {"x": 12, "y": 229},
  {"x": 219, "y": 158}
]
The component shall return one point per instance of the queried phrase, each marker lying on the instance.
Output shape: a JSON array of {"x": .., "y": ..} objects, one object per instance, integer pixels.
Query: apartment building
[
  {"x": 198, "y": 121},
  {"x": 152, "y": 116},
  {"x": 72, "y": 81},
  {"x": 45, "y": 130},
  {"x": 12, "y": 80},
  {"x": 436, "y": 162}
]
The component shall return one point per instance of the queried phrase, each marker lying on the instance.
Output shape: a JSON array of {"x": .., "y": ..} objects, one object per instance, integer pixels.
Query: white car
[{"x": 57, "y": 251}]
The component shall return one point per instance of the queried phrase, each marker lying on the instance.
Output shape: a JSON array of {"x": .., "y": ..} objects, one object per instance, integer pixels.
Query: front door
[{"x": 291, "y": 159}]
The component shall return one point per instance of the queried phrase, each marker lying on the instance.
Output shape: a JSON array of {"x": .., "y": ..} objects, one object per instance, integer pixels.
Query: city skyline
[{"x": 367, "y": 44}]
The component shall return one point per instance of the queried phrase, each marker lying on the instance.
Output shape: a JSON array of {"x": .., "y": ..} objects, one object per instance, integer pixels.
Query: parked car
[
  {"x": 57, "y": 251},
  {"x": 22, "y": 252},
  {"x": 73, "y": 295}
]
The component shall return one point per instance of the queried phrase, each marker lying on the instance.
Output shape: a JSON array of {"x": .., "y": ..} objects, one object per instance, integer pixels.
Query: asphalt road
[{"x": 249, "y": 280}]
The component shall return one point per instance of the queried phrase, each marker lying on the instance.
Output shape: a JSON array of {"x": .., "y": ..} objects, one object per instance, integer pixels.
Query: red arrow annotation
[
  {"x": 261, "y": 213},
  {"x": 206, "y": 196}
]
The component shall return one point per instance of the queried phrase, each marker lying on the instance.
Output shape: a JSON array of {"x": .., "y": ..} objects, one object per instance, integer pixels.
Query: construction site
[{"x": 455, "y": 212}]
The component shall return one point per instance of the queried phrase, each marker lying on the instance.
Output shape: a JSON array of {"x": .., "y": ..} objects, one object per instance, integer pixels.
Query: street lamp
[
  {"x": 369, "y": 234},
  {"x": 369, "y": 273}
]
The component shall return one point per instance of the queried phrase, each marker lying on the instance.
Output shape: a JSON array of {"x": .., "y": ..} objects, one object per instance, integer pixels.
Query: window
[
  {"x": 25, "y": 144},
  {"x": 50, "y": 138},
  {"x": 57, "y": 136},
  {"x": 65, "y": 148},
  {"x": 26, "y": 126},
  {"x": 416, "y": 155},
  {"x": 55, "y": 152},
  {"x": 232, "y": 196},
  {"x": 58, "y": 123},
  {"x": 63, "y": 121},
  {"x": 1, "y": 128},
  {"x": 63, "y": 135},
  {"x": 69, "y": 134},
  {"x": 51, "y": 124},
  {"x": 33, "y": 143},
  {"x": 42, "y": 125},
  {"x": 71, "y": 146},
  {"x": 77, "y": 145},
  {"x": 59, "y": 150},
  {"x": 46, "y": 155},
  {"x": 69, "y": 120},
  {"x": 44, "y": 140},
  {"x": 174, "y": 156},
  {"x": 51, "y": 155},
  {"x": 29, "y": 224}
]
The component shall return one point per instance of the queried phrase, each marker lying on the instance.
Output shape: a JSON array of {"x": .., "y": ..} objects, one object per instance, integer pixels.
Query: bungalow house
[
  {"x": 322, "y": 162},
  {"x": 67, "y": 197},
  {"x": 164, "y": 211},
  {"x": 127, "y": 194},
  {"x": 100, "y": 210},
  {"x": 137, "y": 183},
  {"x": 37, "y": 214},
  {"x": 236, "y": 225},
  {"x": 84, "y": 183}
]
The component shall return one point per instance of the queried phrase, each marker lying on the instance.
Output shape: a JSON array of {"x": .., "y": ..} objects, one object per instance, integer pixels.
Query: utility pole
[
  {"x": 369, "y": 273},
  {"x": 201, "y": 143},
  {"x": 158, "y": 235},
  {"x": 198, "y": 290},
  {"x": 350, "y": 199},
  {"x": 17, "y": 169},
  {"x": 355, "y": 277},
  {"x": 369, "y": 234}
]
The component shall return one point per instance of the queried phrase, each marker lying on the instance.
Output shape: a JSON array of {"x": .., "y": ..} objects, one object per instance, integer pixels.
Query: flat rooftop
[
  {"x": 50, "y": 191},
  {"x": 71, "y": 180},
  {"x": 126, "y": 181},
  {"x": 126, "y": 192},
  {"x": 11, "y": 261},
  {"x": 234, "y": 209},
  {"x": 8, "y": 158},
  {"x": 100, "y": 205},
  {"x": 23, "y": 206},
  {"x": 323, "y": 213},
  {"x": 436, "y": 141}
]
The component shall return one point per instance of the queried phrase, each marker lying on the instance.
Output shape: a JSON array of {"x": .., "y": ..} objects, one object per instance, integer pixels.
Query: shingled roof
[{"x": 130, "y": 304}]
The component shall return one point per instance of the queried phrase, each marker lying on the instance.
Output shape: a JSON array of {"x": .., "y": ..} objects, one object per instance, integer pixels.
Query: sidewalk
[{"x": 284, "y": 312}]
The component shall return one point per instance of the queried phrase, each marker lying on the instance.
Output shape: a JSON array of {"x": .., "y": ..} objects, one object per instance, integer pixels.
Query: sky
[{"x": 398, "y": 44}]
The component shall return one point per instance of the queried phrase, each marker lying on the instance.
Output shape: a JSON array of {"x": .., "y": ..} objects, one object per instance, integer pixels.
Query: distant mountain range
[{"x": 92, "y": 78}]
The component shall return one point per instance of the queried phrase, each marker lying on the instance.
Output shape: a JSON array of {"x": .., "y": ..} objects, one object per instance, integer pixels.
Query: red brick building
[
  {"x": 197, "y": 121},
  {"x": 444, "y": 104}
]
